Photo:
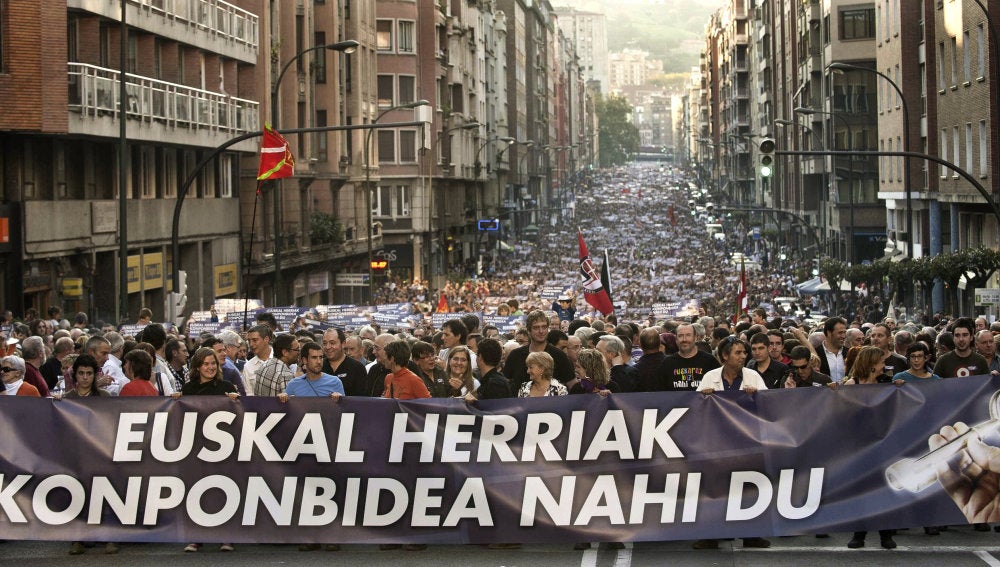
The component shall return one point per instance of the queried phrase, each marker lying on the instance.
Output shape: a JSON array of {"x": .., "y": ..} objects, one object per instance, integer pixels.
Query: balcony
[
  {"x": 160, "y": 111},
  {"x": 213, "y": 25}
]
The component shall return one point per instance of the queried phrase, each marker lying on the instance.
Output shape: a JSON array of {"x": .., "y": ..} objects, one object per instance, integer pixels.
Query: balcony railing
[
  {"x": 93, "y": 91},
  {"x": 212, "y": 16}
]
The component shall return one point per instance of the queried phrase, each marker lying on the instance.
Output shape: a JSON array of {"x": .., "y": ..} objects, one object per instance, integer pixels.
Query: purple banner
[{"x": 629, "y": 467}]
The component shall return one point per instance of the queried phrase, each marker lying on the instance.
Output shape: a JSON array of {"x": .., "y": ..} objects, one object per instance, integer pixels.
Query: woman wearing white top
[{"x": 732, "y": 375}]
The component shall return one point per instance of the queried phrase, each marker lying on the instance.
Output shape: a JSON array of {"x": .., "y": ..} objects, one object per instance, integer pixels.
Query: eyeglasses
[
  {"x": 918, "y": 355},
  {"x": 7, "y": 369},
  {"x": 798, "y": 367}
]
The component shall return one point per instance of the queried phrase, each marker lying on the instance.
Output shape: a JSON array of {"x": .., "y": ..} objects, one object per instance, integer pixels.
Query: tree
[{"x": 617, "y": 136}]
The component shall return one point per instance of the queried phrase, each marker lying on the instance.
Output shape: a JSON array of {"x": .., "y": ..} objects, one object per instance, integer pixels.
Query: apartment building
[
  {"x": 589, "y": 34},
  {"x": 189, "y": 87}
]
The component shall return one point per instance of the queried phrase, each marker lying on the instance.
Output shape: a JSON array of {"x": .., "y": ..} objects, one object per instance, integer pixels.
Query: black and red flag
[{"x": 593, "y": 290}]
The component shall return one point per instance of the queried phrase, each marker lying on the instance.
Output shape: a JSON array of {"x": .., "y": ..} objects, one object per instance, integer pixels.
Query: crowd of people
[{"x": 563, "y": 347}]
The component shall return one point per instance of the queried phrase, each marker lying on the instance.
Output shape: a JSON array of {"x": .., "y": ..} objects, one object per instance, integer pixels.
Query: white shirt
[
  {"x": 836, "y": 362},
  {"x": 113, "y": 369},
  {"x": 166, "y": 377},
  {"x": 250, "y": 369},
  {"x": 712, "y": 380}
]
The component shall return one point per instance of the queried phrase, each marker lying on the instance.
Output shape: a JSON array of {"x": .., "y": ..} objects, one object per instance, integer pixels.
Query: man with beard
[
  {"x": 336, "y": 363},
  {"x": 684, "y": 370}
]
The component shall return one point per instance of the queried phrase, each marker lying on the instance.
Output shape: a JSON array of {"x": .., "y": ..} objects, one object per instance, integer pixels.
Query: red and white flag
[
  {"x": 593, "y": 291},
  {"x": 276, "y": 159}
]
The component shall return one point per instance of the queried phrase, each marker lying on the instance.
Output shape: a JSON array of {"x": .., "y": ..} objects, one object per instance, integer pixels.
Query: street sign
[
  {"x": 348, "y": 279},
  {"x": 987, "y": 297},
  {"x": 756, "y": 233}
]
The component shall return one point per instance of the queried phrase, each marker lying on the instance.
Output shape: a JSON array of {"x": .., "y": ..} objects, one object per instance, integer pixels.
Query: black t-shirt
[
  {"x": 895, "y": 364},
  {"x": 679, "y": 373},
  {"x": 213, "y": 388},
  {"x": 775, "y": 374},
  {"x": 351, "y": 373},
  {"x": 493, "y": 386}
]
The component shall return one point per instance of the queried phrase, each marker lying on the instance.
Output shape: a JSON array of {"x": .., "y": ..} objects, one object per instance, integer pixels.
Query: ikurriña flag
[
  {"x": 593, "y": 291},
  {"x": 276, "y": 159}
]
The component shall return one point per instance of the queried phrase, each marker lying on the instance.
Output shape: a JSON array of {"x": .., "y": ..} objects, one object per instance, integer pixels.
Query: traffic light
[
  {"x": 815, "y": 267},
  {"x": 765, "y": 159}
]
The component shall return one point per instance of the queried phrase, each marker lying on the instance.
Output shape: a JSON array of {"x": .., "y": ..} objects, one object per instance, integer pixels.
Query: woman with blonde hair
[
  {"x": 540, "y": 381},
  {"x": 459, "y": 369},
  {"x": 595, "y": 377}
]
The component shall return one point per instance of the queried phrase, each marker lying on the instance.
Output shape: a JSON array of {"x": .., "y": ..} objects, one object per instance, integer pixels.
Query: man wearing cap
[{"x": 563, "y": 306}]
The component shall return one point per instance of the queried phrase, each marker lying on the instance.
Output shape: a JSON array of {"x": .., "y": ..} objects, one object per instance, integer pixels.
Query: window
[
  {"x": 940, "y": 65},
  {"x": 407, "y": 146},
  {"x": 386, "y": 146},
  {"x": 900, "y": 159},
  {"x": 981, "y": 48},
  {"x": 954, "y": 61},
  {"x": 857, "y": 23},
  {"x": 966, "y": 57},
  {"x": 382, "y": 201},
  {"x": 892, "y": 162},
  {"x": 405, "y": 42},
  {"x": 319, "y": 63},
  {"x": 383, "y": 35},
  {"x": 226, "y": 168},
  {"x": 984, "y": 145},
  {"x": 402, "y": 201},
  {"x": 881, "y": 161},
  {"x": 943, "y": 140},
  {"x": 968, "y": 147},
  {"x": 348, "y": 75},
  {"x": 321, "y": 137},
  {"x": 407, "y": 89},
  {"x": 955, "y": 149},
  {"x": 385, "y": 85}
]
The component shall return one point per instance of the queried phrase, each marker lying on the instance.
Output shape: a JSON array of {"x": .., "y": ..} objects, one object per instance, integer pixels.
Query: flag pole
[{"x": 246, "y": 275}]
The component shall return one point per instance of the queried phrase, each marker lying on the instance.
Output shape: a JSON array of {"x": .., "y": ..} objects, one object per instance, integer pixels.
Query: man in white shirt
[
  {"x": 259, "y": 339},
  {"x": 113, "y": 367}
]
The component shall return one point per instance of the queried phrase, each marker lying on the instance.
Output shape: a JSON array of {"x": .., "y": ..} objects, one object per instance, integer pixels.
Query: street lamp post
[
  {"x": 348, "y": 46},
  {"x": 368, "y": 188},
  {"x": 850, "y": 171},
  {"x": 838, "y": 66}
]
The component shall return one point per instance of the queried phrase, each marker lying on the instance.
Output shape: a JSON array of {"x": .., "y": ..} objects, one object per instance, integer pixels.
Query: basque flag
[
  {"x": 593, "y": 291},
  {"x": 276, "y": 159}
]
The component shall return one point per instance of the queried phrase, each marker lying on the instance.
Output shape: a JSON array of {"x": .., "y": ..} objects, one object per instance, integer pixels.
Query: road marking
[
  {"x": 624, "y": 556},
  {"x": 877, "y": 548},
  {"x": 989, "y": 559},
  {"x": 589, "y": 558}
]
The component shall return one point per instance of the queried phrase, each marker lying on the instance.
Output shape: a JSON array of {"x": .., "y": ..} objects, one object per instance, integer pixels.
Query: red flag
[
  {"x": 742, "y": 305},
  {"x": 593, "y": 291},
  {"x": 276, "y": 159},
  {"x": 442, "y": 304},
  {"x": 673, "y": 216}
]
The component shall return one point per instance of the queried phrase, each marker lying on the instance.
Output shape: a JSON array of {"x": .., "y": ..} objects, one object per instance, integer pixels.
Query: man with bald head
[{"x": 336, "y": 363}]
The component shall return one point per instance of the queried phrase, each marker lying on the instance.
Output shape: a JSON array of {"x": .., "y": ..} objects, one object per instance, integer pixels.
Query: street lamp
[
  {"x": 841, "y": 67},
  {"x": 368, "y": 188},
  {"x": 348, "y": 46},
  {"x": 478, "y": 164},
  {"x": 850, "y": 170}
]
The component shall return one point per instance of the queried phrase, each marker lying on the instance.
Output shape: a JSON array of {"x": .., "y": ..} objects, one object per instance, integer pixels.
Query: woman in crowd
[
  {"x": 917, "y": 355},
  {"x": 12, "y": 370},
  {"x": 206, "y": 380},
  {"x": 868, "y": 367},
  {"x": 540, "y": 381},
  {"x": 595, "y": 374},
  {"x": 85, "y": 371},
  {"x": 459, "y": 370},
  {"x": 138, "y": 367}
]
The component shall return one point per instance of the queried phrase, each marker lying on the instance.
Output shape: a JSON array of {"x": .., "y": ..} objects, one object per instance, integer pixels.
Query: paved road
[{"x": 957, "y": 547}]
